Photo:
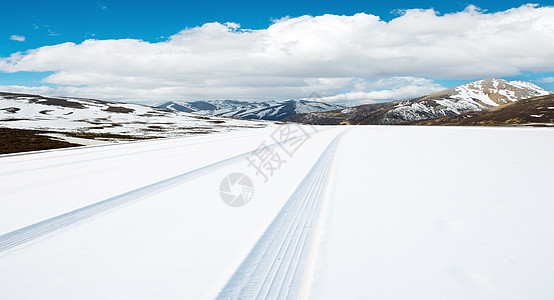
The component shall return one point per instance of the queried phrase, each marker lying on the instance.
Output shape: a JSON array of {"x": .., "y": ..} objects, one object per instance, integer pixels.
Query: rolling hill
[{"x": 33, "y": 122}]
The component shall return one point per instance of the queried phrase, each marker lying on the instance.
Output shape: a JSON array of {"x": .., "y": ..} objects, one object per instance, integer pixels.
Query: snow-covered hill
[
  {"x": 536, "y": 111},
  {"x": 269, "y": 110},
  {"x": 473, "y": 96},
  {"x": 71, "y": 115}
]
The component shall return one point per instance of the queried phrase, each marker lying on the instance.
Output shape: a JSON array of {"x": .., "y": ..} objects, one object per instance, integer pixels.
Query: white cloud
[
  {"x": 385, "y": 89},
  {"x": 41, "y": 90},
  {"x": 294, "y": 57},
  {"x": 18, "y": 38},
  {"x": 546, "y": 80}
]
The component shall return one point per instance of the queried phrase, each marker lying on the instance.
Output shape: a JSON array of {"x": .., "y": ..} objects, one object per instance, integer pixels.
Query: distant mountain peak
[{"x": 494, "y": 92}]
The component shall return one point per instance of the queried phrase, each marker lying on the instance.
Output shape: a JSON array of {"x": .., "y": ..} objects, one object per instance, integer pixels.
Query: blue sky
[
  {"x": 53, "y": 22},
  {"x": 30, "y": 25}
]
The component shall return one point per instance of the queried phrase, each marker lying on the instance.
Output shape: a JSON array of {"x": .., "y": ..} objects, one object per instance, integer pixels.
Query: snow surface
[
  {"x": 379, "y": 212},
  {"x": 75, "y": 140}
]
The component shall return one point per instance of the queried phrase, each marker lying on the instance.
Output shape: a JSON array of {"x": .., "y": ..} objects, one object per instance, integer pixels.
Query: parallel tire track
[
  {"x": 274, "y": 269},
  {"x": 37, "y": 230}
]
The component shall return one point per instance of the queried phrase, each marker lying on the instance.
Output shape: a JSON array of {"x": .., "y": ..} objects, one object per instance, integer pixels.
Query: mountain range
[
  {"x": 536, "y": 111},
  {"x": 474, "y": 96},
  {"x": 26, "y": 119},
  {"x": 268, "y": 110}
]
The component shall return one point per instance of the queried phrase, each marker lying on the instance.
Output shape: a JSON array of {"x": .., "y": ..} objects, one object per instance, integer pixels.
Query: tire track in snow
[
  {"x": 276, "y": 266},
  {"x": 37, "y": 230}
]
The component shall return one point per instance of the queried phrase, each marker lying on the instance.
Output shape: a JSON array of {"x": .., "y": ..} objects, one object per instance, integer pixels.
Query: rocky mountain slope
[
  {"x": 269, "y": 110},
  {"x": 537, "y": 111},
  {"x": 473, "y": 96},
  {"x": 83, "y": 121}
]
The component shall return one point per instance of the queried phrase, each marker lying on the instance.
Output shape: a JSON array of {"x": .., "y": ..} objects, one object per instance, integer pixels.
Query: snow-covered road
[{"x": 383, "y": 212}]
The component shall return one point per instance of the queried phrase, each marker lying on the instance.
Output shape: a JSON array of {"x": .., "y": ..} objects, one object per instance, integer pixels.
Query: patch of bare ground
[
  {"x": 15, "y": 119},
  {"x": 98, "y": 121},
  {"x": 12, "y": 110},
  {"x": 106, "y": 136},
  {"x": 199, "y": 132},
  {"x": 155, "y": 128},
  {"x": 152, "y": 115},
  {"x": 57, "y": 102},
  {"x": 22, "y": 140},
  {"x": 195, "y": 128},
  {"x": 119, "y": 109}
]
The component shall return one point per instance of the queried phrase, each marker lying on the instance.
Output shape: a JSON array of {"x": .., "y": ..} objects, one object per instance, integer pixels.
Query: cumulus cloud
[
  {"x": 385, "y": 89},
  {"x": 345, "y": 57},
  {"x": 18, "y": 38},
  {"x": 41, "y": 90}
]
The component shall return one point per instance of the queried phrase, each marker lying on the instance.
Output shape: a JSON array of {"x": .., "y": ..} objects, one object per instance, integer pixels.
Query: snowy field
[{"x": 345, "y": 212}]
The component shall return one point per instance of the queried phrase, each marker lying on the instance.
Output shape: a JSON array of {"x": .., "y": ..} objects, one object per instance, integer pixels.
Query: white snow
[
  {"x": 473, "y": 92},
  {"x": 397, "y": 213},
  {"x": 433, "y": 216},
  {"x": 348, "y": 110},
  {"x": 524, "y": 85},
  {"x": 75, "y": 140}
]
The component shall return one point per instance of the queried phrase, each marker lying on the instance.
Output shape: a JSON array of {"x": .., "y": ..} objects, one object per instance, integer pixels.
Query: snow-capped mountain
[
  {"x": 474, "y": 96},
  {"x": 487, "y": 93},
  {"x": 96, "y": 118},
  {"x": 537, "y": 111},
  {"x": 269, "y": 110}
]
